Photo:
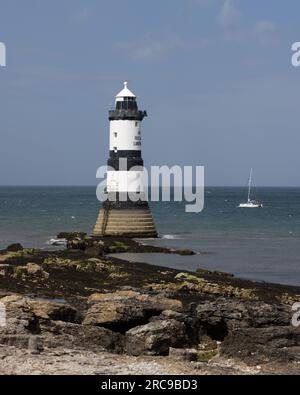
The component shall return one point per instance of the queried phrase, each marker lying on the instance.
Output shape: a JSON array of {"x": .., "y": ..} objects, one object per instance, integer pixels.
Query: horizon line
[{"x": 95, "y": 186}]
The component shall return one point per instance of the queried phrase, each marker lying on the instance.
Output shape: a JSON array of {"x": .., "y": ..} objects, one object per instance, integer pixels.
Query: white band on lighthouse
[
  {"x": 125, "y": 181},
  {"x": 125, "y": 135}
]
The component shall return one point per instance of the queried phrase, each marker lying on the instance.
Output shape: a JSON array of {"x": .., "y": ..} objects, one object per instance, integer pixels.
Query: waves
[{"x": 172, "y": 237}]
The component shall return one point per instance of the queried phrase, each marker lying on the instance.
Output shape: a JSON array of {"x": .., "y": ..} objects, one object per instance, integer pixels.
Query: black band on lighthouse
[
  {"x": 125, "y": 154},
  {"x": 131, "y": 115},
  {"x": 131, "y": 162}
]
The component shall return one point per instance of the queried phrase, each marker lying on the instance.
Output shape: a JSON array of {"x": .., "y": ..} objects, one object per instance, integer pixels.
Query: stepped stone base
[{"x": 129, "y": 222}]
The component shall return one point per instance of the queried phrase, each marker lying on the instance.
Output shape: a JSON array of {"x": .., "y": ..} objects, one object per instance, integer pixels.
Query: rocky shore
[{"x": 80, "y": 311}]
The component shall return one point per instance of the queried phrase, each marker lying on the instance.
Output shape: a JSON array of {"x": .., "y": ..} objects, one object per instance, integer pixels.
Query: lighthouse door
[{"x": 112, "y": 181}]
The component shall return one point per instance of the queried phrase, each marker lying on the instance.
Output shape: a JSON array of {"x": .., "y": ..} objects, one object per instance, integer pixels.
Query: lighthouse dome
[{"x": 125, "y": 92}]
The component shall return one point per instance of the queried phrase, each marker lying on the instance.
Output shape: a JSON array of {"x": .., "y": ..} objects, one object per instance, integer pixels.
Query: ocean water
[{"x": 259, "y": 244}]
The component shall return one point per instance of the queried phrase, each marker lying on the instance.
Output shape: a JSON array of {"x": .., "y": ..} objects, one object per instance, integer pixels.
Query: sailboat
[{"x": 250, "y": 202}]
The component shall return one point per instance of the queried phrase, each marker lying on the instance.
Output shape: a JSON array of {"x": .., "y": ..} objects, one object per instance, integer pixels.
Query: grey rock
[
  {"x": 94, "y": 251},
  {"x": 183, "y": 354},
  {"x": 63, "y": 334},
  {"x": 231, "y": 314},
  {"x": 155, "y": 338},
  {"x": 33, "y": 345},
  {"x": 15, "y": 247},
  {"x": 117, "y": 315},
  {"x": 123, "y": 310},
  {"x": 258, "y": 345}
]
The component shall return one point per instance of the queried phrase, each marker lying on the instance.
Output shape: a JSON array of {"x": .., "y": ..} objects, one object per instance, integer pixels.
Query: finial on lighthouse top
[{"x": 125, "y": 92}]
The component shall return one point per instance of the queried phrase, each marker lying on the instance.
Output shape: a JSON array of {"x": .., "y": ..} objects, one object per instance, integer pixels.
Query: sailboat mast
[{"x": 249, "y": 185}]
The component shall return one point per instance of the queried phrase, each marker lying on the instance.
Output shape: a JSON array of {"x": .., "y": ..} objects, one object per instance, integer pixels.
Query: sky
[{"x": 215, "y": 77}]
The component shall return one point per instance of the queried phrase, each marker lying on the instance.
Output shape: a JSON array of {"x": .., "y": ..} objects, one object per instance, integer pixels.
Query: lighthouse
[{"x": 126, "y": 211}]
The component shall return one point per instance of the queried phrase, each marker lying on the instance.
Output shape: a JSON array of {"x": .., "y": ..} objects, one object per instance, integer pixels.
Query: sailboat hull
[{"x": 250, "y": 205}]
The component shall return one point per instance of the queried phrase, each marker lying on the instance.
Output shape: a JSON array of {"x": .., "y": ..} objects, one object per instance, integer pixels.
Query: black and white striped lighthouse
[{"x": 122, "y": 215}]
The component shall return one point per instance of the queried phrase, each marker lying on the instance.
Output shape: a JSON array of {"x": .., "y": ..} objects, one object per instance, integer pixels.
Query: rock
[
  {"x": 19, "y": 307},
  {"x": 29, "y": 270},
  {"x": 155, "y": 338},
  {"x": 53, "y": 311},
  {"x": 33, "y": 345},
  {"x": 118, "y": 315},
  {"x": 94, "y": 251},
  {"x": 36, "y": 270},
  {"x": 122, "y": 310},
  {"x": 92, "y": 265},
  {"x": 187, "y": 282},
  {"x": 201, "y": 270},
  {"x": 167, "y": 314},
  {"x": 183, "y": 354},
  {"x": 95, "y": 261},
  {"x": 117, "y": 247},
  {"x": 76, "y": 244},
  {"x": 71, "y": 235},
  {"x": 224, "y": 315},
  {"x": 260, "y": 345},
  {"x": 15, "y": 247},
  {"x": 185, "y": 252},
  {"x": 155, "y": 303},
  {"x": 64, "y": 334},
  {"x": 61, "y": 262},
  {"x": 33, "y": 268},
  {"x": 4, "y": 269},
  {"x": 32, "y": 322},
  {"x": 20, "y": 322},
  {"x": 20, "y": 272}
]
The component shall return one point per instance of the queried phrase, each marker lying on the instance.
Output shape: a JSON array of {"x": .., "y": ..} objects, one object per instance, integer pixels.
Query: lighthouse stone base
[{"x": 125, "y": 220}]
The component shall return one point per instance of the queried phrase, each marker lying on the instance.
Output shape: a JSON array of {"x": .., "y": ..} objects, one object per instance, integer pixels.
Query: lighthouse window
[
  {"x": 136, "y": 124},
  {"x": 126, "y": 104},
  {"x": 115, "y": 134}
]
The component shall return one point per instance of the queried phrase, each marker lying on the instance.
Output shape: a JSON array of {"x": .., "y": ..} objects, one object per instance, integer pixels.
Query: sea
[{"x": 257, "y": 244}]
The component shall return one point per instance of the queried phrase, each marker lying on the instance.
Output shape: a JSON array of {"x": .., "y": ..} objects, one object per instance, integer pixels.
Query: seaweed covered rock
[
  {"x": 14, "y": 247},
  {"x": 71, "y": 235},
  {"x": 36, "y": 270},
  {"x": 185, "y": 252},
  {"x": 94, "y": 251}
]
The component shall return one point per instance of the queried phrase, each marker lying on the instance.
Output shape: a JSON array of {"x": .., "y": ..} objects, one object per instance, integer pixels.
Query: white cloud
[
  {"x": 149, "y": 51},
  {"x": 265, "y": 31},
  {"x": 154, "y": 49},
  {"x": 228, "y": 14},
  {"x": 204, "y": 2},
  {"x": 83, "y": 15}
]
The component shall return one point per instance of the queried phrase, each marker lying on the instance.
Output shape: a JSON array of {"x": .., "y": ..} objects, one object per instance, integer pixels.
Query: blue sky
[{"x": 214, "y": 75}]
